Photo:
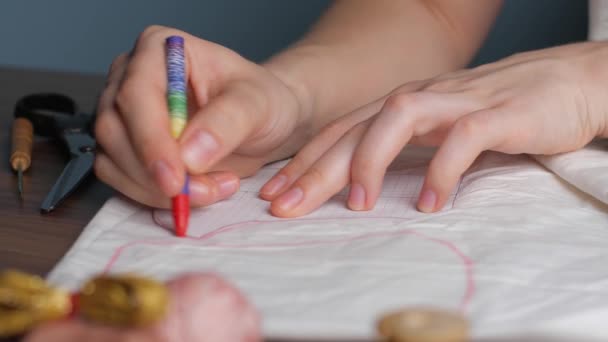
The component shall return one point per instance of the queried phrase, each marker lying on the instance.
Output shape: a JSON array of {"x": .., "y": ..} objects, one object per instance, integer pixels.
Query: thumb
[{"x": 222, "y": 125}]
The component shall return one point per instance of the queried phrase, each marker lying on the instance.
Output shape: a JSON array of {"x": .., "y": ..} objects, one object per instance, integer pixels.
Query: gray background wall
[{"x": 85, "y": 35}]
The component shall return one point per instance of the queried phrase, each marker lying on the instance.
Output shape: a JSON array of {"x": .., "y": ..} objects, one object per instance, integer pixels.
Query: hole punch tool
[{"x": 56, "y": 116}]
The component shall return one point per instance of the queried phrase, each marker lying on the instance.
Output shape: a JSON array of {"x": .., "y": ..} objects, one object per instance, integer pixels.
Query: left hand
[{"x": 541, "y": 102}]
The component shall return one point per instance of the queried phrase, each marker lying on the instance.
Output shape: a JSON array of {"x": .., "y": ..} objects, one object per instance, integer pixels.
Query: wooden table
[{"x": 29, "y": 240}]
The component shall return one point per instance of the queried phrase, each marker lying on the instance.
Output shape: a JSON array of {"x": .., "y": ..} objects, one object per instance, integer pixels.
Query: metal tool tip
[{"x": 20, "y": 182}]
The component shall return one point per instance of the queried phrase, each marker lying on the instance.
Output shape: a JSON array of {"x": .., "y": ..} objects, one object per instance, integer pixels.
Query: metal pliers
[{"x": 57, "y": 116}]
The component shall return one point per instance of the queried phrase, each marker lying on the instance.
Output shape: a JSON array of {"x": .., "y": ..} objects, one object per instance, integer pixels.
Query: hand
[
  {"x": 541, "y": 102},
  {"x": 242, "y": 117},
  {"x": 203, "y": 307}
]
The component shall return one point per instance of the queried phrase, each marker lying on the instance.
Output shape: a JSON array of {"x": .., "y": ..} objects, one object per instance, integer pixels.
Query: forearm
[{"x": 360, "y": 50}]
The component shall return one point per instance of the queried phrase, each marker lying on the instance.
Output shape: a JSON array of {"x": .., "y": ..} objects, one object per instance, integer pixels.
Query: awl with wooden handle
[{"x": 21, "y": 154}]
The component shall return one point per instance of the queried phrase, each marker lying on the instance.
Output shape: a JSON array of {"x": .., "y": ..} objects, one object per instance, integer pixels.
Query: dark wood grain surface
[{"x": 29, "y": 240}]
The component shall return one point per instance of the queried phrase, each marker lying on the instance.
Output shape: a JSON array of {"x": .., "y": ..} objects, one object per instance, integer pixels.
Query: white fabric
[
  {"x": 583, "y": 168},
  {"x": 598, "y": 19},
  {"x": 519, "y": 250}
]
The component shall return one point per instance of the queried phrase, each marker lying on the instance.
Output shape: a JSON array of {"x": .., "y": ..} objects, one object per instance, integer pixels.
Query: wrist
[{"x": 295, "y": 68}]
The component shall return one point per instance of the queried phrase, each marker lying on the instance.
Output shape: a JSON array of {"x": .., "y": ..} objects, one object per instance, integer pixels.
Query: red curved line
[{"x": 465, "y": 260}]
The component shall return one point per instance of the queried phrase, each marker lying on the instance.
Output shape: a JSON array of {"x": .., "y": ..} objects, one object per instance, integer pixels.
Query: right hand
[{"x": 241, "y": 117}]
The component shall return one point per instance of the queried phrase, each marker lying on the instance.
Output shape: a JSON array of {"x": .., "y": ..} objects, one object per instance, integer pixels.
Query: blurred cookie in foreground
[{"x": 423, "y": 325}]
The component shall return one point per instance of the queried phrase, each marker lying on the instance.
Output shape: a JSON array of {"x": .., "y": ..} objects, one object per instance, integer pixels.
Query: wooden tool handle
[{"x": 23, "y": 138}]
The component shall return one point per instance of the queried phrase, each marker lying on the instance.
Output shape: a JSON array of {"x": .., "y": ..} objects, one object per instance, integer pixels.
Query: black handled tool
[{"x": 56, "y": 116}]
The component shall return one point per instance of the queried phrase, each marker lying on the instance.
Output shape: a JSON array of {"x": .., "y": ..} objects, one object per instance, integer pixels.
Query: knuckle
[
  {"x": 314, "y": 175},
  {"x": 409, "y": 87},
  {"x": 471, "y": 125},
  {"x": 400, "y": 102},
  {"x": 301, "y": 161},
  {"x": 105, "y": 126},
  {"x": 298, "y": 162},
  {"x": 117, "y": 62},
  {"x": 128, "y": 90},
  {"x": 99, "y": 168},
  {"x": 364, "y": 167},
  {"x": 153, "y": 33},
  {"x": 152, "y": 30}
]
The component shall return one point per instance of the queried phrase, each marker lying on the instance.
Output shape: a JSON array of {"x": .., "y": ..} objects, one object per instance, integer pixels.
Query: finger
[
  {"x": 115, "y": 75},
  {"x": 110, "y": 132},
  {"x": 111, "y": 135},
  {"x": 116, "y": 146},
  {"x": 312, "y": 151},
  {"x": 402, "y": 116},
  {"x": 204, "y": 189},
  {"x": 326, "y": 138},
  {"x": 222, "y": 126},
  {"x": 241, "y": 165},
  {"x": 326, "y": 177},
  {"x": 471, "y": 135}
]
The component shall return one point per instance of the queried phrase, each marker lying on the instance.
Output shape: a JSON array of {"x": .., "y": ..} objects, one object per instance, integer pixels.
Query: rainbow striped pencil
[{"x": 178, "y": 114}]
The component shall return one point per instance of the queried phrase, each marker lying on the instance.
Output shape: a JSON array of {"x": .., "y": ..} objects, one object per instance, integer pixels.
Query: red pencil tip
[
  {"x": 181, "y": 213},
  {"x": 75, "y": 299}
]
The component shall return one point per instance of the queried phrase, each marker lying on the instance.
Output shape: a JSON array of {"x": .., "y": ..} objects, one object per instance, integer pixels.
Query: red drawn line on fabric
[{"x": 467, "y": 263}]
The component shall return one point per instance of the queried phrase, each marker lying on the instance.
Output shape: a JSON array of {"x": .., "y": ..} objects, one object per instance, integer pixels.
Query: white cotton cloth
[{"x": 521, "y": 249}]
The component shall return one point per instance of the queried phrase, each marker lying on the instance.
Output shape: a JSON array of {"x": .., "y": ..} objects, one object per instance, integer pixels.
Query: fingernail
[
  {"x": 290, "y": 199},
  {"x": 227, "y": 184},
  {"x": 427, "y": 201},
  {"x": 274, "y": 185},
  {"x": 199, "y": 149},
  {"x": 199, "y": 190},
  {"x": 356, "y": 197},
  {"x": 164, "y": 175}
]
